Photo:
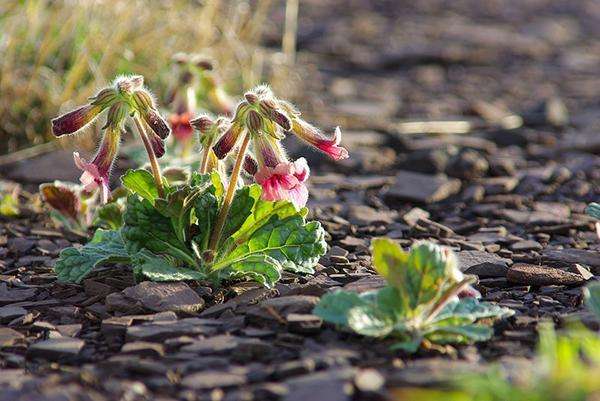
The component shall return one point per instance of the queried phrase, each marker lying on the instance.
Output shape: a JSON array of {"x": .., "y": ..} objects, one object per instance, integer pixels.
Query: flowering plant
[{"x": 210, "y": 226}]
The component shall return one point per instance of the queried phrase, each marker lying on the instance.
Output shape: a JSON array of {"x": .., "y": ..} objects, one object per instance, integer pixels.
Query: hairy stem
[
  {"x": 235, "y": 175},
  {"x": 151, "y": 155},
  {"x": 206, "y": 156}
]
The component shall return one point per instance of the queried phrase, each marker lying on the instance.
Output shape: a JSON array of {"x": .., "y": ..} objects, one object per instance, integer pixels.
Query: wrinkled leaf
[
  {"x": 206, "y": 210},
  {"x": 241, "y": 208},
  {"x": 140, "y": 182},
  {"x": 472, "y": 309},
  {"x": 178, "y": 208},
  {"x": 460, "y": 334},
  {"x": 334, "y": 306},
  {"x": 146, "y": 228},
  {"x": 259, "y": 267},
  {"x": 109, "y": 216},
  {"x": 160, "y": 269},
  {"x": 292, "y": 242},
  {"x": 369, "y": 320},
  {"x": 74, "y": 264}
]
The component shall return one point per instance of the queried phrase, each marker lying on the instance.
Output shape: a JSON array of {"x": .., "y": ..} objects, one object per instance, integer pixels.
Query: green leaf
[
  {"x": 333, "y": 307},
  {"x": 206, "y": 210},
  {"x": 592, "y": 298},
  {"x": 471, "y": 309},
  {"x": 292, "y": 242},
  {"x": 145, "y": 227},
  {"x": 409, "y": 346},
  {"x": 593, "y": 210},
  {"x": 460, "y": 334},
  {"x": 262, "y": 212},
  {"x": 178, "y": 207},
  {"x": 214, "y": 178},
  {"x": 241, "y": 208},
  {"x": 140, "y": 182},
  {"x": 74, "y": 264},
  {"x": 109, "y": 216},
  {"x": 160, "y": 269},
  {"x": 369, "y": 320},
  {"x": 260, "y": 268},
  {"x": 9, "y": 205}
]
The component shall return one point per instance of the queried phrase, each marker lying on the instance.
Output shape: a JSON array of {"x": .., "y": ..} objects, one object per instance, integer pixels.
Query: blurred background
[{"x": 360, "y": 64}]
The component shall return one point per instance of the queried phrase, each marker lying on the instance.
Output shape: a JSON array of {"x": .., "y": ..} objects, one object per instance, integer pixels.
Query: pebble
[
  {"x": 541, "y": 275},
  {"x": 423, "y": 188}
]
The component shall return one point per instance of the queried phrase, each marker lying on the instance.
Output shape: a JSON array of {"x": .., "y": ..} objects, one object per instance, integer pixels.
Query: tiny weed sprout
[
  {"x": 427, "y": 299},
  {"x": 593, "y": 210},
  {"x": 204, "y": 225}
]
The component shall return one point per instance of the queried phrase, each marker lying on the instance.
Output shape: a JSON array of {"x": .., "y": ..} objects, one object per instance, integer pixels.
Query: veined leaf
[
  {"x": 334, "y": 306},
  {"x": 259, "y": 267},
  {"x": 460, "y": 334},
  {"x": 109, "y": 216},
  {"x": 178, "y": 207},
  {"x": 369, "y": 320},
  {"x": 140, "y": 182},
  {"x": 160, "y": 269},
  {"x": 295, "y": 244},
  {"x": 74, "y": 264},
  {"x": 472, "y": 309},
  {"x": 146, "y": 228},
  {"x": 241, "y": 208}
]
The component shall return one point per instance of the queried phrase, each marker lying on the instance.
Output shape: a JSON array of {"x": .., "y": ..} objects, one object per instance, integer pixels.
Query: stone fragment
[
  {"x": 161, "y": 297},
  {"x": 526, "y": 245},
  {"x": 423, "y": 188},
  {"x": 9, "y": 312},
  {"x": 330, "y": 385},
  {"x": 304, "y": 323},
  {"x": 12, "y": 295},
  {"x": 572, "y": 256},
  {"x": 362, "y": 215},
  {"x": 56, "y": 348},
  {"x": 212, "y": 380},
  {"x": 482, "y": 264},
  {"x": 539, "y": 275},
  {"x": 143, "y": 349},
  {"x": 9, "y": 337}
]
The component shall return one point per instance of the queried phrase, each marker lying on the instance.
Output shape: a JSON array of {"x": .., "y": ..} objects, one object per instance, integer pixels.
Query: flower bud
[
  {"x": 127, "y": 85},
  {"x": 104, "y": 98},
  {"x": 251, "y": 97},
  {"x": 269, "y": 109},
  {"x": 250, "y": 165},
  {"x": 158, "y": 145},
  {"x": 202, "y": 124},
  {"x": 228, "y": 140},
  {"x": 144, "y": 104},
  {"x": 75, "y": 120},
  {"x": 254, "y": 121},
  {"x": 116, "y": 115}
]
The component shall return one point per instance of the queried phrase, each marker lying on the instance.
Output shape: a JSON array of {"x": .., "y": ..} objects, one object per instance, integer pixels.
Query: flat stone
[
  {"x": 143, "y": 349},
  {"x": 249, "y": 297},
  {"x": 362, "y": 215},
  {"x": 532, "y": 217},
  {"x": 539, "y": 275},
  {"x": 304, "y": 323},
  {"x": 423, "y": 188},
  {"x": 366, "y": 284},
  {"x": 20, "y": 245},
  {"x": 414, "y": 215},
  {"x": 330, "y": 385},
  {"x": 291, "y": 304},
  {"x": 56, "y": 348},
  {"x": 161, "y": 297},
  {"x": 482, "y": 264},
  {"x": 10, "y": 295},
  {"x": 212, "y": 380},
  {"x": 9, "y": 337},
  {"x": 9, "y": 312},
  {"x": 213, "y": 345},
  {"x": 160, "y": 331},
  {"x": 526, "y": 245},
  {"x": 572, "y": 256}
]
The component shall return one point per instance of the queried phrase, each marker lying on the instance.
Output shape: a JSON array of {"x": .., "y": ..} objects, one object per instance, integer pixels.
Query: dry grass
[{"x": 56, "y": 53}]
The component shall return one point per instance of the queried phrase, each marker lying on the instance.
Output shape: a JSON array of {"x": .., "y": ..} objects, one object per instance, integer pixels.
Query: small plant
[
  {"x": 206, "y": 227},
  {"x": 593, "y": 210},
  {"x": 420, "y": 303},
  {"x": 9, "y": 200},
  {"x": 592, "y": 298}
]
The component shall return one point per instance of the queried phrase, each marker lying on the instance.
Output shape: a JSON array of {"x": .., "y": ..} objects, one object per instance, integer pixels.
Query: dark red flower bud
[
  {"x": 250, "y": 165},
  {"x": 75, "y": 120}
]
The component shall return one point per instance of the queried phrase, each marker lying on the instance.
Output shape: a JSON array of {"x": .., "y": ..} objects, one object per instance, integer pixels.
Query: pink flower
[
  {"x": 285, "y": 181},
  {"x": 96, "y": 173},
  {"x": 314, "y": 137}
]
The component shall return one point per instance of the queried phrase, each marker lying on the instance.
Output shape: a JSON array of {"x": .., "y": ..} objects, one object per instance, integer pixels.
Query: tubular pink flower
[
  {"x": 285, "y": 181},
  {"x": 75, "y": 120},
  {"x": 96, "y": 173},
  {"x": 314, "y": 137}
]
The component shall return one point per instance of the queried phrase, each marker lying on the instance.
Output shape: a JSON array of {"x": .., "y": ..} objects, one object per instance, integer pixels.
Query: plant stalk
[
  {"x": 206, "y": 156},
  {"x": 151, "y": 155},
  {"x": 235, "y": 175}
]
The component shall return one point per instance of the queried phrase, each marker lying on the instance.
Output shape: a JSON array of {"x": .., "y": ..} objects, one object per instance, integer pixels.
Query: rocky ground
[{"x": 472, "y": 125}]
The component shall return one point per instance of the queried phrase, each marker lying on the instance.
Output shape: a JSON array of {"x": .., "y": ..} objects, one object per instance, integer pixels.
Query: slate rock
[
  {"x": 143, "y": 349},
  {"x": 9, "y": 312},
  {"x": 12, "y": 295},
  {"x": 212, "y": 380},
  {"x": 482, "y": 264},
  {"x": 161, "y": 297},
  {"x": 539, "y": 275},
  {"x": 572, "y": 256},
  {"x": 56, "y": 348},
  {"x": 9, "y": 337},
  {"x": 423, "y": 188},
  {"x": 160, "y": 331},
  {"x": 526, "y": 245},
  {"x": 304, "y": 323},
  {"x": 330, "y": 385},
  {"x": 362, "y": 215}
]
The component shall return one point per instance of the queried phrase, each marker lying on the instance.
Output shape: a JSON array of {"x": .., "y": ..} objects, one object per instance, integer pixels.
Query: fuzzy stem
[
  {"x": 235, "y": 174},
  {"x": 151, "y": 155},
  {"x": 206, "y": 156}
]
